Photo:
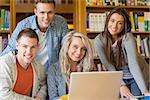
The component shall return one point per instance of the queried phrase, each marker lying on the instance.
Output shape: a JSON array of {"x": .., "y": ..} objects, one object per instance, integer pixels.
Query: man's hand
[{"x": 37, "y": 98}]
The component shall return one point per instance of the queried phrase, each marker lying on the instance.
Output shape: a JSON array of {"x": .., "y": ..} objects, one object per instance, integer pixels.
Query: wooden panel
[
  {"x": 80, "y": 15},
  {"x": 28, "y": 8}
]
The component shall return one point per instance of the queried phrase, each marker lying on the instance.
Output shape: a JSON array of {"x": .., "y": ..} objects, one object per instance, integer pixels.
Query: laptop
[{"x": 95, "y": 85}]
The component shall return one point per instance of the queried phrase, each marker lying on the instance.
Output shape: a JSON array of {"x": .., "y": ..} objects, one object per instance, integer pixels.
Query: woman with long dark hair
[{"x": 117, "y": 50}]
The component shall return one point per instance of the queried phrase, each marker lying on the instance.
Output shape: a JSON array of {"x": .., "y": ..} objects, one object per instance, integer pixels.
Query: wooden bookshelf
[
  {"x": 81, "y": 9},
  {"x": 6, "y": 22}
]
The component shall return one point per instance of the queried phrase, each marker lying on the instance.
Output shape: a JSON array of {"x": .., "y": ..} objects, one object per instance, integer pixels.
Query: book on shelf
[
  {"x": 3, "y": 43},
  {"x": 96, "y": 22},
  {"x": 5, "y": 19},
  {"x": 33, "y": 1},
  {"x": 143, "y": 45},
  {"x": 1, "y": 48},
  {"x": 140, "y": 21},
  {"x": 146, "y": 42},
  {"x": 2, "y": 19},
  {"x": 147, "y": 21},
  {"x": 118, "y": 2}
]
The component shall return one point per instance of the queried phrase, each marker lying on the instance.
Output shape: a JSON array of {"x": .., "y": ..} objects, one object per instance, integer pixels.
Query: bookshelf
[
  {"x": 24, "y": 9},
  {"x": 84, "y": 9},
  {"x": 6, "y": 24}
]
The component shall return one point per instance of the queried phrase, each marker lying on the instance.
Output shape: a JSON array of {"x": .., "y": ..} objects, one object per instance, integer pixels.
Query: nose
[
  {"x": 78, "y": 51},
  {"x": 46, "y": 15},
  {"x": 28, "y": 50}
]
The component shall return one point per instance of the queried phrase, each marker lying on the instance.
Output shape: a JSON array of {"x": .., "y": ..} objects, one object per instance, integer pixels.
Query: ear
[
  {"x": 35, "y": 11},
  {"x": 17, "y": 44}
]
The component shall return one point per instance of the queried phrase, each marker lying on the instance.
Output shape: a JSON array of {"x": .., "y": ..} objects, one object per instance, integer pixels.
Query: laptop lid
[{"x": 95, "y": 85}]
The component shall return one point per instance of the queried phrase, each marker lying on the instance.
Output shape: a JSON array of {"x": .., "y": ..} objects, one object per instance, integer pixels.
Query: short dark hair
[
  {"x": 28, "y": 32},
  {"x": 45, "y": 1}
]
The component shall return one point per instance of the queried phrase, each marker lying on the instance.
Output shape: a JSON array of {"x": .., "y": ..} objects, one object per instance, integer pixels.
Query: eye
[
  {"x": 50, "y": 12},
  {"x": 24, "y": 46},
  {"x": 112, "y": 20},
  {"x": 33, "y": 47},
  {"x": 75, "y": 46},
  {"x": 84, "y": 49},
  {"x": 42, "y": 12},
  {"x": 120, "y": 23}
]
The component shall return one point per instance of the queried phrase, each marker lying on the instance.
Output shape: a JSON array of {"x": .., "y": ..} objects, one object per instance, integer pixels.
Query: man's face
[
  {"x": 45, "y": 13},
  {"x": 27, "y": 48}
]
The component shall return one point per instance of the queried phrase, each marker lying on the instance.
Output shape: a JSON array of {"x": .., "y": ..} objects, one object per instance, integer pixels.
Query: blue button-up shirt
[{"x": 54, "y": 34}]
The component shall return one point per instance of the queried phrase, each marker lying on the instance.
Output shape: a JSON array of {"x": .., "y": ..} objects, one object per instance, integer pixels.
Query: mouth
[{"x": 28, "y": 56}]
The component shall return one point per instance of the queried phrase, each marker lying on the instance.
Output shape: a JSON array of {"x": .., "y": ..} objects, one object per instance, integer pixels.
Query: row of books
[
  {"x": 4, "y": 19},
  {"x": 96, "y": 21},
  {"x": 33, "y": 1},
  {"x": 3, "y": 43},
  {"x": 143, "y": 45},
  {"x": 140, "y": 21},
  {"x": 118, "y": 2}
]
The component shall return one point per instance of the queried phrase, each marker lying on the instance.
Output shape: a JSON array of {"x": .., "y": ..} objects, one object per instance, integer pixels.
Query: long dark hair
[{"x": 107, "y": 37}]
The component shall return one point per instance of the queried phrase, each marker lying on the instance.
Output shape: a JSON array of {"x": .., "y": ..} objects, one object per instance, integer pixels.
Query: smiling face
[
  {"x": 27, "y": 48},
  {"x": 115, "y": 24},
  {"x": 45, "y": 14},
  {"x": 76, "y": 49}
]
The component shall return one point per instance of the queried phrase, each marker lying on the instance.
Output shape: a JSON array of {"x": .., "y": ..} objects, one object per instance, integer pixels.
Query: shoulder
[
  {"x": 128, "y": 36},
  {"x": 29, "y": 20},
  {"x": 9, "y": 57},
  {"x": 37, "y": 65},
  {"x": 59, "y": 19},
  {"x": 54, "y": 68},
  {"x": 99, "y": 39},
  {"x": 7, "y": 61}
]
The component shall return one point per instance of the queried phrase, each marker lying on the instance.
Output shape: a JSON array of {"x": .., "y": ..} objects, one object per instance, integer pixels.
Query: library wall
[{"x": 92, "y": 15}]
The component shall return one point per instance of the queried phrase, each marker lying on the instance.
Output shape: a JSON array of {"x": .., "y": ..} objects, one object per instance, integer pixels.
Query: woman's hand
[
  {"x": 125, "y": 92},
  {"x": 147, "y": 94}
]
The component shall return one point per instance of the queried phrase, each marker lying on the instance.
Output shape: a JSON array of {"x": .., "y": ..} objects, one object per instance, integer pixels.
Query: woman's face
[
  {"x": 76, "y": 49},
  {"x": 115, "y": 24}
]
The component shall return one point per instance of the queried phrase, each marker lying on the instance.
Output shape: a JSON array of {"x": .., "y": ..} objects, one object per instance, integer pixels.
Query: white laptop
[{"x": 95, "y": 85}]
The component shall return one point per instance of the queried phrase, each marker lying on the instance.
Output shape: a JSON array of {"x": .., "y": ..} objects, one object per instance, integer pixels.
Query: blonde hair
[{"x": 86, "y": 64}]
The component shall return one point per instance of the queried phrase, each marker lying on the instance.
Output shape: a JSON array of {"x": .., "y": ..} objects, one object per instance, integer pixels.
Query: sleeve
[
  {"x": 6, "y": 92},
  {"x": 101, "y": 53},
  {"x": 43, "y": 86},
  {"x": 132, "y": 58},
  {"x": 52, "y": 84},
  {"x": 11, "y": 44}
]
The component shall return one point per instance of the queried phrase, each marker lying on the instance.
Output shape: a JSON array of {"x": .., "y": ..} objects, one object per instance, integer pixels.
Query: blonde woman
[{"x": 76, "y": 55}]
